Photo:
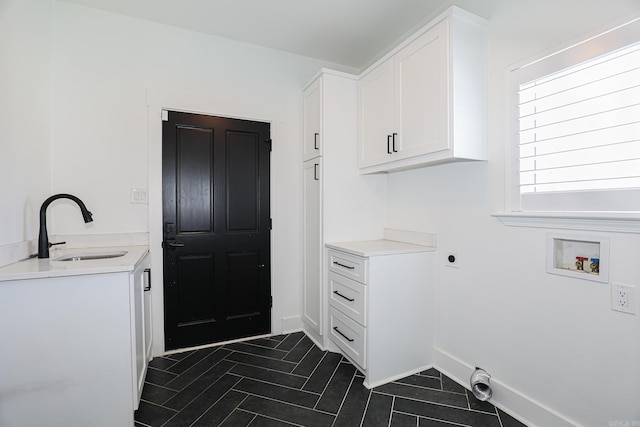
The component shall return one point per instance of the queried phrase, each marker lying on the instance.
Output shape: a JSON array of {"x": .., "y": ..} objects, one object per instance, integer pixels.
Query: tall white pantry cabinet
[{"x": 338, "y": 202}]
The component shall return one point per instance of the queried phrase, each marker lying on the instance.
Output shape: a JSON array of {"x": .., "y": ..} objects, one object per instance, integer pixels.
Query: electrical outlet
[
  {"x": 623, "y": 298},
  {"x": 452, "y": 259}
]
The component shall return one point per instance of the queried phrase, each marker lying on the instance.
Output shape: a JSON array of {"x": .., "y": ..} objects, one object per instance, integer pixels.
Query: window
[{"x": 576, "y": 127}]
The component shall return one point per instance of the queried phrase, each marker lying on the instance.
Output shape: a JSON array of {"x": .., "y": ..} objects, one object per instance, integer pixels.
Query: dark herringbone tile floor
[{"x": 287, "y": 381}]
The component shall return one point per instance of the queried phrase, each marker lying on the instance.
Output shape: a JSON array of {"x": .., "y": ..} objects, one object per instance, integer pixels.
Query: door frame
[{"x": 190, "y": 103}]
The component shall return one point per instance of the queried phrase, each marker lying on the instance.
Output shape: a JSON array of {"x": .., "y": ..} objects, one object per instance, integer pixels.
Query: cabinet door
[
  {"x": 139, "y": 357},
  {"x": 148, "y": 329},
  {"x": 312, "y": 245},
  {"x": 312, "y": 121},
  {"x": 422, "y": 107},
  {"x": 376, "y": 116}
]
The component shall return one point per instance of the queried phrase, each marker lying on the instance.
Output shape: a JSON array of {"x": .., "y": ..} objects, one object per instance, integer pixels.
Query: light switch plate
[{"x": 139, "y": 195}]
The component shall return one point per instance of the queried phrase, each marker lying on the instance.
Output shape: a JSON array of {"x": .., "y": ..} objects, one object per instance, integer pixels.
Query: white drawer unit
[
  {"x": 349, "y": 336},
  {"x": 348, "y": 265},
  {"x": 348, "y": 296},
  {"x": 377, "y": 302}
]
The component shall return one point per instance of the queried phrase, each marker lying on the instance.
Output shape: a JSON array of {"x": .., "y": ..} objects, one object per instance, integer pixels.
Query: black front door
[{"x": 215, "y": 193}]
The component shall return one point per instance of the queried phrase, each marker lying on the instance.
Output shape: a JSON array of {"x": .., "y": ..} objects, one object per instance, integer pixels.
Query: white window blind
[{"x": 578, "y": 133}]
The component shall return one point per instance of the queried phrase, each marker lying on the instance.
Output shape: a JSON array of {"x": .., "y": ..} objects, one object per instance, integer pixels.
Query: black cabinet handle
[
  {"x": 393, "y": 144},
  {"x": 388, "y": 144},
  {"x": 148, "y": 271},
  {"x": 342, "y": 265},
  {"x": 315, "y": 140},
  {"x": 315, "y": 171},
  {"x": 335, "y": 328},
  {"x": 342, "y": 296}
]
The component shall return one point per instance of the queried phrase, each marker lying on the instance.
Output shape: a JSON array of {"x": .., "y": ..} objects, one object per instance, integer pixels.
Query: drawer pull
[
  {"x": 335, "y": 328},
  {"x": 342, "y": 265},
  {"x": 342, "y": 296}
]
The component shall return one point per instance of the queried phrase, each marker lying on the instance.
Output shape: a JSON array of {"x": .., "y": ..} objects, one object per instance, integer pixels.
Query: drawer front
[
  {"x": 348, "y": 336},
  {"x": 351, "y": 266},
  {"x": 348, "y": 296}
]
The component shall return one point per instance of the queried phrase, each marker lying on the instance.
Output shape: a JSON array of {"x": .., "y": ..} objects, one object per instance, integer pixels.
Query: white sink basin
[{"x": 90, "y": 256}]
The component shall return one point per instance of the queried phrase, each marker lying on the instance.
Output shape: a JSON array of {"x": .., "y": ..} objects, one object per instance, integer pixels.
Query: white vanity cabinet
[
  {"x": 73, "y": 341},
  {"x": 424, "y": 103},
  {"x": 381, "y": 310}
]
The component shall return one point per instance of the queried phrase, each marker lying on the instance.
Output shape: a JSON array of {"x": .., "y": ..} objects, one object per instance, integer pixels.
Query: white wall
[
  {"x": 25, "y": 64},
  {"x": 548, "y": 339},
  {"x": 110, "y": 72}
]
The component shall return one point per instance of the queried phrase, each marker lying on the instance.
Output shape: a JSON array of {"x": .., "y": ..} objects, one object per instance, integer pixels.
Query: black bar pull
[
  {"x": 388, "y": 144},
  {"x": 148, "y": 271},
  {"x": 175, "y": 245},
  {"x": 335, "y": 328},
  {"x": 315, "y": 140},
  {"x": 340, "y": 295},
  {"x": 342, "y": 265},
  {"x": 315, "y": 171},
  {"x": 393, "y": 144}
]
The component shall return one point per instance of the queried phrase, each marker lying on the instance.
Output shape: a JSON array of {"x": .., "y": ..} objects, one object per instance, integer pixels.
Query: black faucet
[{"x": 43, "y": 238}]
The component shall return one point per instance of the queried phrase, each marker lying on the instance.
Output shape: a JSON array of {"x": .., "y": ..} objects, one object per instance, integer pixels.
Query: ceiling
[{"x": 351, "y": 33}]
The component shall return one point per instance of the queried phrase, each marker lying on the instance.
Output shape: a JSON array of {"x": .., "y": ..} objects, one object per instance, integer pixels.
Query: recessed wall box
[{"x": 582, "y": 257}]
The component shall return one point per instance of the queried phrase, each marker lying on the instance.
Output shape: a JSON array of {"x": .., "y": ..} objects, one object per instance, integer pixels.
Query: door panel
[
  {"x": 196, "y": 299},
  {"x": 242, "y": 181},
  {"x": 216, "y": 229},
  {"x": 244, "y": 298},
  {"x": 193, "y": 175}
]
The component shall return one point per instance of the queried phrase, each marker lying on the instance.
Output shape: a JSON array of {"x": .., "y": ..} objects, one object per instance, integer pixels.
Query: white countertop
[
  {"x": 369, "y": 248},
  {"x": 35, "y": 268}
]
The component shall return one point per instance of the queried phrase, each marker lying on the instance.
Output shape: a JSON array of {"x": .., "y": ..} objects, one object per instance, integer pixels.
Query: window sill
[{"x": 592, "y": 221}]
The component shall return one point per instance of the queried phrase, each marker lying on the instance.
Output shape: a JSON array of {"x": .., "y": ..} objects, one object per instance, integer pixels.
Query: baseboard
[
  {"x": 396, "y": 377},
  {"x": 509, "y": 400},
  {"x": 215, "y": 344},
  {"x": 291, "y": 324},
  {"x": 313, "y": 336}
]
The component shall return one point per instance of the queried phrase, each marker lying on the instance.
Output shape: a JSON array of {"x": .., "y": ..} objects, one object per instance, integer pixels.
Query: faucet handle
[{"x": 57, "y": 243}]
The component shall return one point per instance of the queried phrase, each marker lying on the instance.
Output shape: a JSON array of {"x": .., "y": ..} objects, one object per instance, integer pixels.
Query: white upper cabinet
[
  {"x": 312, "y": 121},
  {"x": 424, "y": 103},
  {"x": 376, "y": 115},
  {"x": 421, "y": 94}
]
